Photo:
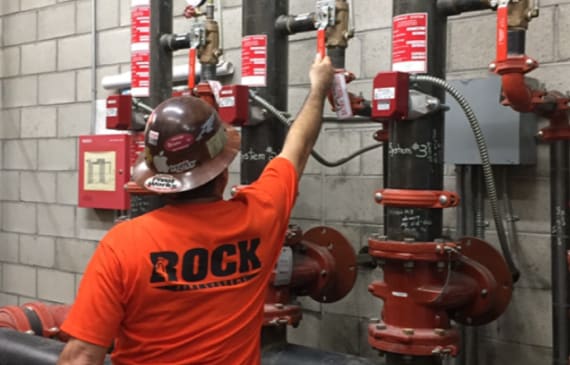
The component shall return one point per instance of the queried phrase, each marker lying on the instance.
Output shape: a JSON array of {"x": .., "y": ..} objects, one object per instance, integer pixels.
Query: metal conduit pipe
[
  {"x": 456, "y": 7},
  {"x": 560, "y": 244}
]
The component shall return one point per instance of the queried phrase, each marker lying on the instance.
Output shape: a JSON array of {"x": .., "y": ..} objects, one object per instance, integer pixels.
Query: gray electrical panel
[{"x": 510, "y": 135}]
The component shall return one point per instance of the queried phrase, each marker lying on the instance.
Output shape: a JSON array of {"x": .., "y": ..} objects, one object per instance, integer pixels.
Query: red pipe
[
  {"x": 36, "y": 318},
  {"x": 517, "y": 94}
]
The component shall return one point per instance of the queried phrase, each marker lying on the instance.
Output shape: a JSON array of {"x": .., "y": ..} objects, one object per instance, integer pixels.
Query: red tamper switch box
[
  {"x": 233, "y": 106},
  {"x": 104, "y": 168},
  {"x": 391, "y": 92},
  {"x": 119, "y": 112}
]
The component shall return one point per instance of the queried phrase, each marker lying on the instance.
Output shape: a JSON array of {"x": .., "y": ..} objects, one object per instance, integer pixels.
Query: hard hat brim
[{"x": 199, "y": 175}]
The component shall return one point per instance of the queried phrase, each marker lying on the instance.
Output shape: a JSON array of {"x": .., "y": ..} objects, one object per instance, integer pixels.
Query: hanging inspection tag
[
  {"x": 254, "y": 60},
  {"x": 140, "y": 48},
  {"x": 410, "y": 43},
  {"x": 341, "y": 99},
  {"x": 192, "y": 69}
]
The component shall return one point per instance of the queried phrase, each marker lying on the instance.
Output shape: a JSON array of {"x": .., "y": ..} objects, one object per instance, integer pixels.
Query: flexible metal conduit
[
  {"x": 288, "y": 121},
  {"x": 485, "y": 162}
]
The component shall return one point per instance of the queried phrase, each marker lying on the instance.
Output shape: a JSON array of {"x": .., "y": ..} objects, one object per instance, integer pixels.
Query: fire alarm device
[
  {"x": 104, "y": 169},
  {"x": 390, "y": 99},
  {"x": 233, "y": 104}
]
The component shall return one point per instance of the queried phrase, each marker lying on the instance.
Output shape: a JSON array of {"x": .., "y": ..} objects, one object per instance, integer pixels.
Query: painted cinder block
[
  {"x": 73, "y": 120},
  {"x": 38, "y": 186},
  {"x": 38, "y": 122},
  {"x": 19, "y": 28},
  {"x": 37, "y": 250},
  {"x": 57, "y": 154},
  {"x": 33, "y": 4},
  {"x": 309, "y": 200},
  {"x": 23, "y": 91},
  {"x": 72, "y": 254},
  {"x": 107, "y": 14},
  {"x": 56, "y": 286},
  {"x": 117, "y": 46},
  {"x": 31, "y": 53},
  {"x": 66, "y": 188},
  {"x": 56, "y": 220},
  {"x": 56, "y": 88},
  {"x": 19, "y": 217},
  {"x": 10, "y": 187},
  {"x": 351, "y": 200},
  {"x": 74, "y": 52},
  {"x": 9, "y": 247},
  {"x": 56, "y": 21},
  {"x": 19, "y": 279},
  {"x": 9, "y": 61}
]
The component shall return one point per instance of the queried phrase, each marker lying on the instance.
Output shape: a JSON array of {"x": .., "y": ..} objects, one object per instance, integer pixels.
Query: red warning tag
[
  {"x": 409, "y": 43},
  {"x": 140, "y": 47},
  {"x": 254, "y": 60}
]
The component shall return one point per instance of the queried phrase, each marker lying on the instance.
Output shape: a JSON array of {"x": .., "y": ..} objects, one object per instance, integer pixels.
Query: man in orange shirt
[{"x": 185, "y": 284}]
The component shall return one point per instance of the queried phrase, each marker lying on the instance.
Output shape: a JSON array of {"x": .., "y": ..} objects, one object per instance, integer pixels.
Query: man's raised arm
[{"x": 305, "y": 130}]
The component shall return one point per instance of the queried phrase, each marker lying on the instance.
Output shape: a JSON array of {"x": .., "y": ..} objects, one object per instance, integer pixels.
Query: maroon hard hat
[{"x": 186, "y": 145}]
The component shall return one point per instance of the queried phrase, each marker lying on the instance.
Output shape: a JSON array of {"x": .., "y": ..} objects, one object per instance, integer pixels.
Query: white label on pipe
[{"x": 383, "y": 105}]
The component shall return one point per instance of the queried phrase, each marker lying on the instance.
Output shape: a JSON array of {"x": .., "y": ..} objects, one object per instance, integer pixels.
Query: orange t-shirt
[{"x": 185, "y": 284}]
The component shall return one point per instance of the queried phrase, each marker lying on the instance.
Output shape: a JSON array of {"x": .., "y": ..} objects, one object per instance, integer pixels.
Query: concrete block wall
[{"x": 45, "y": 90}]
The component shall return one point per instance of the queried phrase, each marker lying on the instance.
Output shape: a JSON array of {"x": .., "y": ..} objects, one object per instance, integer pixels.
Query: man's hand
[
  {"x": 321, "y": 75},
  {"x": 77, "y": 352}
]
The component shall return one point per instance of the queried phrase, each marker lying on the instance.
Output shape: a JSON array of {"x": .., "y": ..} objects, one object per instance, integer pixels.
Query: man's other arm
[
  {"x": 77, "y": 352},
  {"x": 305, "y": 130}
]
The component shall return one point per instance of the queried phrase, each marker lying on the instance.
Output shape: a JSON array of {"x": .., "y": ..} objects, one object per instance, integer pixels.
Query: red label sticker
[
  {"x": 409, "y": 43},
  {"x": 179, "y": 142},
  {"x": 140, "y": 48},
  {"x": 254, "y": 60}
]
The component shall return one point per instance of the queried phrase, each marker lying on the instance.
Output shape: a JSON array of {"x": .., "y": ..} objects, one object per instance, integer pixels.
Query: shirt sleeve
[
  {"x": 278, "y": 183},
  {"x": 96, "y": 315}
]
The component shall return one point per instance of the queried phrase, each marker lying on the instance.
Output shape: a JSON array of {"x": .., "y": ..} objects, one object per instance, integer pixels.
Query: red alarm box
[
  {"x": 391, "y": 94},
  {"x": 104, "y": 168},
  {"x": 233, "y": 106},
  {"x": 119, "y": 112}
]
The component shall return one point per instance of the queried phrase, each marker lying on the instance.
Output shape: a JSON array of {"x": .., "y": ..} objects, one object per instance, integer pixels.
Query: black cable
[{"x": 288, "y": 121}]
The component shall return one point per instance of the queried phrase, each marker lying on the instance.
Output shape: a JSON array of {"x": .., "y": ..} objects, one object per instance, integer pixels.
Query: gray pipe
[
  {"x": 17, "y": 348},
  {"x": 560, "y": 230}
]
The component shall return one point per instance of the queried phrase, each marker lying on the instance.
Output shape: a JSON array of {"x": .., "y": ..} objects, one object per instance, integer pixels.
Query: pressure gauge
[{"x": 196, "y": 3}]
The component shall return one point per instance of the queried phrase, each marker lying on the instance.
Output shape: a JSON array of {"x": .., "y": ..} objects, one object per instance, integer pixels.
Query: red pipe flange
[
  {"x": 427, "y": 284},
  {"x": 416, "y": 198},
  {"x": 321, "y": 264}
]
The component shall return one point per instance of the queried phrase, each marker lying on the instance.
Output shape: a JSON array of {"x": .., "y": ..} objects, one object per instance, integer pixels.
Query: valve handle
[
  {"x": 502, "y": 30},
  {"x": 321, "y": 42},
  {"x": 192, "y": 68}
]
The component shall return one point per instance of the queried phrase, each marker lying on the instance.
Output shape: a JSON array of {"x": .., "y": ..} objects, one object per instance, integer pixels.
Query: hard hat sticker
[
  {"x": 163, "y": 184},
  {"x": 183, "y": 166},
  {"x": 153, "y": 137},
  {"x": 179, "y": 142},
  {"x": 217, "y": 142}
]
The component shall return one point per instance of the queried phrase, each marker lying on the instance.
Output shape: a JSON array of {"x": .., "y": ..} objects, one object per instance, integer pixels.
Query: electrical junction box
[
  {"x": 105, "y": 166},
  {"x": 510, "y": 135}
]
